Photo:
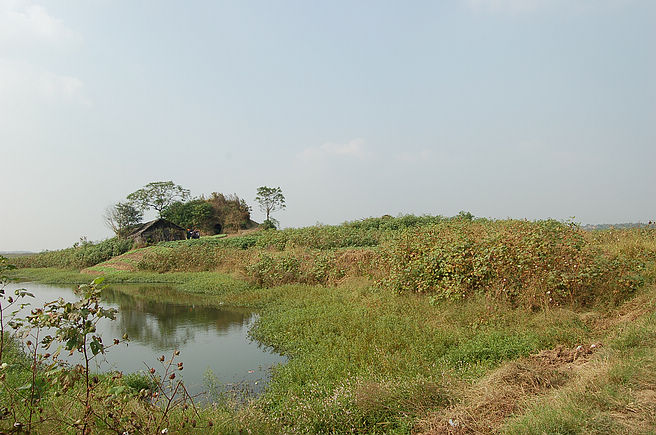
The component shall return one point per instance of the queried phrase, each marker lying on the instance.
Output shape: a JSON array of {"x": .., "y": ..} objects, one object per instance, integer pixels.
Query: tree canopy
[
  {"x": 270, "y": 199},
  {"x": 211, "y": 215},
  {"x": 158, "y": 195},
  {"x": 195, "y": 214},
  {"x": 230, "y": 210},
  {"x": 121, "y": 216}
]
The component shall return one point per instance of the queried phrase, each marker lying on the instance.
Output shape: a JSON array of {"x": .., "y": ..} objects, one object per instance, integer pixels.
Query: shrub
[
  {"x": 81, "y": 255},
  {"x": 531, "y": 263}
]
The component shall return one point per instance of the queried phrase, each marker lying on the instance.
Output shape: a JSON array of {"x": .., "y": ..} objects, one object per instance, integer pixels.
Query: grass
[
  {"x": 616, "y": 395},
  {"x": 362, "y": 357},
  {"x": 354, "y": 346},
  {"x": 398, "y": 325}
]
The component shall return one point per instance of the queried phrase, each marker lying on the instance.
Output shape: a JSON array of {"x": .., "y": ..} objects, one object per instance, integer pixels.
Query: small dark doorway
[{"x": 217, "y": 229}]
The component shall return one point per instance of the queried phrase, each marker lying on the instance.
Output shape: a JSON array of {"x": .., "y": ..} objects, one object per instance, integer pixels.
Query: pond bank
[
  {"x": 368, "y": 360},
  {"x": 212, "y": 340}
]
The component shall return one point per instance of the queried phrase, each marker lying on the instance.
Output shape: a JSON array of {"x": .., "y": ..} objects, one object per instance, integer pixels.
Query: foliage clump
[
  {"x": 122, "y": 217},
  {"x": 270, "y": 199},
  {"x": 83, "y": 254},
  {"x": 531, "y": 263},
  {"x": 158, "y": 195},
  {"x": 211, "y": 216}
]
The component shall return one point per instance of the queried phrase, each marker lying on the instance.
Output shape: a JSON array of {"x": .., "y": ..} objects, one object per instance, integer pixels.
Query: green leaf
[
  {"x": 116, "y": 390},
  {"x": 96, "y": 347},
  {"x": 25, "y": 387}
]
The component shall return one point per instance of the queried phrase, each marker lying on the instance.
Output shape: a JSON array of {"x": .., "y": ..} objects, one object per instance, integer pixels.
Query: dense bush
[
  {"x": 530, "y": 263},
  {"x": 197, "y": 213},
  {"x": 389, "y": 223},
  {"x": 356, "y": 234},
  {"x": 534, "y": 263},
  {"x": 241, "y": 242},
  {"x": 81, "y": 255},
  {"x": 318, "y": 237}
]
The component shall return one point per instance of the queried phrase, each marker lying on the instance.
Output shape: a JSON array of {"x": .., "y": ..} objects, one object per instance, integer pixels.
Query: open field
[{"x": 427, "y": 325}]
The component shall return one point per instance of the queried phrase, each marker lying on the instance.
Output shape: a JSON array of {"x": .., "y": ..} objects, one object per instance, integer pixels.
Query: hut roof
[{"x": 141, "y": 228}]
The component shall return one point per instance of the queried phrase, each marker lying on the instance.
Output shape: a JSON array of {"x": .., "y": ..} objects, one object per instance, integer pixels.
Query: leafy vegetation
[
  {"x": 412, "y": 324},
  {"x": 196, "y": 213},
  {"x": 81, "y": 255},
  {"x": 158, "y": 195},
  {"x": 91, "y": 403},
  {"x": 270, "y": 199},
  {"x": 534, "y": 263},
  {"x": 122, "y": 217},
  {"x": 217, "y": 213}
]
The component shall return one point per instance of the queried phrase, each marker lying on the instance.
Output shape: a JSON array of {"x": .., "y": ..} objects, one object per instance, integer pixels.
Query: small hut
[{"x": 159, "y": 230}]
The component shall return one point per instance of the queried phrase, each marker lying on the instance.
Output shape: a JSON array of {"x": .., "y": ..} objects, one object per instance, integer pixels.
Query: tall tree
[
  {"x": 121, "y": 216},
  {"x": 158, "y": 195},
  {"x": 270, "y": 199},
  {"x": 195, "y": 214}
]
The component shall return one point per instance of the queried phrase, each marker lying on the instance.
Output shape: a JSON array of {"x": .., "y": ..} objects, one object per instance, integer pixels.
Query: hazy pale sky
[{"x": 505, "y": 108}]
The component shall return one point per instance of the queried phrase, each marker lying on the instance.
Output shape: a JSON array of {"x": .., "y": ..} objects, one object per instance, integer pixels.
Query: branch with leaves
[
  {"x": 158, "y": 195},
  {"x": 270, "y": 199}
]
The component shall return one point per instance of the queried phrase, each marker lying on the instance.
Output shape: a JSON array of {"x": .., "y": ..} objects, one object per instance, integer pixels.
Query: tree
[
  {"x": 121, "y": 216},
  {"x": 230, "y": 211},
  {"x": 465, "y": 216},
  {"x": 193, "y": 214},
  {"x": 270, "y": 199},
  {"x": 158, "y": 195}
]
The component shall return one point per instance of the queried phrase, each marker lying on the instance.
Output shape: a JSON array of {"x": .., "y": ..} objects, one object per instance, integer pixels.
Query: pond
[{"x": 214, "y": 345}]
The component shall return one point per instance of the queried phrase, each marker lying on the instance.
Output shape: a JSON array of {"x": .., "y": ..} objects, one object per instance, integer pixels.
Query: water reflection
[
  {"x": 160, "y": 320},
  {"x": 148, "y": 315}
]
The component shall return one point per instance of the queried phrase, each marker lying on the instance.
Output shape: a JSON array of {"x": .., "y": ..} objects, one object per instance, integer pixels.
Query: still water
[{"x": 213, "y": 342}]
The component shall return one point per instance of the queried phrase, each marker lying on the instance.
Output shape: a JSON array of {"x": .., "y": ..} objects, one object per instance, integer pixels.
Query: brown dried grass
[{"x": 486, "y": 405}]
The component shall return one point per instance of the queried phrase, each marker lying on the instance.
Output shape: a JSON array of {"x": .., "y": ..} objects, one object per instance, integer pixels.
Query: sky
[{"x": 505, "y": 108}]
